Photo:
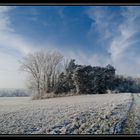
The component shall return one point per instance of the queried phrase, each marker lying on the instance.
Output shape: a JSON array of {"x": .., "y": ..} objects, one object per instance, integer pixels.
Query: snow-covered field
[{"x": 83, "y": 114}]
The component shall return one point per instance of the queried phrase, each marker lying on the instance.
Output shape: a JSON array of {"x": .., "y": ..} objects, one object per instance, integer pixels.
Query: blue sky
[{"x": 95, "y": 35}]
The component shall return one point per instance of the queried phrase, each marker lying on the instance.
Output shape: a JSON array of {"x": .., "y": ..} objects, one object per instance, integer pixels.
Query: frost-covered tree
[
  {"x": 109, "y": 76},
  {"x": 43, "y": 69},
  {"x": 93, "y": 80},
  {"x": 46, "y": 75},
  {"x": 126, "y": 84},
  {"x": 65, "y": 83}
]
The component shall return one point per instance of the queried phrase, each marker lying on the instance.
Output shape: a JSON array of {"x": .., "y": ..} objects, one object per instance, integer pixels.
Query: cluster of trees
[
  {"x": 14, "y": 93},
  {"x": 81, "y": 79},
  {"x": 126, "y": 84},
  {"x": 51, "y": 73}
]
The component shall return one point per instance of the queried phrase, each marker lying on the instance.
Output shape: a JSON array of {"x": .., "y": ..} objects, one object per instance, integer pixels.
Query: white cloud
[
  {"x": 120, "y": 28},
  {"x": 120, "y": 34},
  {"x": 101, "y": 18},
  {"x": 127, "y": 29},
  {"x": 83, "y": 58},
  {"x": 121, "y": 44},
  {"x": 8, "y": 37},
  {"x": 11, "y": 42},
  {"x": 4, "y": 20},
  {"x": 10, "y": 77},
  {"x": 15, "y": 41}
]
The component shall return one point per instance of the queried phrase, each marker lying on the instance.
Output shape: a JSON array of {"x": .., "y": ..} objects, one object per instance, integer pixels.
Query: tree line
[
  {"x": 50, "y": 72},
  {"x": 14, "y": 93}
]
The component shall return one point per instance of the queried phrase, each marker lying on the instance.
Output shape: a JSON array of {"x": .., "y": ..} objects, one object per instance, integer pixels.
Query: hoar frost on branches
[
  {"x": 48, "y": 74},
  {"x": 43, "y": 69},
  {"x": 81, "y": 79}
]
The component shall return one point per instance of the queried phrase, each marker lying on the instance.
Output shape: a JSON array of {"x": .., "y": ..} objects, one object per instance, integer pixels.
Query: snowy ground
[
  {"x": 83, "y": 114},
  {"x": 135, "y": 119}
]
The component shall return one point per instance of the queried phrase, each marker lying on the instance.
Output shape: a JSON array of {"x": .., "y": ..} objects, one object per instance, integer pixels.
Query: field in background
[{"x": 83, "y": 114}]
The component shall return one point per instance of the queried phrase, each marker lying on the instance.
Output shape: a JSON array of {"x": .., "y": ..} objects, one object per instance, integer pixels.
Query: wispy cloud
[
  {"x": 126, "y": 40},
  {"x": 118, "y": 29},
  {"x": 114, "y": 34},
  {"x": 83, "y": 58},
  {"x": 102, "y": 23},
  {"x": 4, "y": 19},
  {"x": 8, "y": 36},
  {"x": 127, "y": 29},
  {"x": 10, "y": 77},
  {"x": 11, "y": 43}
]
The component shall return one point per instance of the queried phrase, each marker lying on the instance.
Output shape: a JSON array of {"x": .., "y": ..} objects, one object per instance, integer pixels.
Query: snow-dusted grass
[{"x": 83, "y": 114}]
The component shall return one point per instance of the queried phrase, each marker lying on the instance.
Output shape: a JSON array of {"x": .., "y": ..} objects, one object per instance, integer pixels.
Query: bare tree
[{"x": 43, "y": 69}]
